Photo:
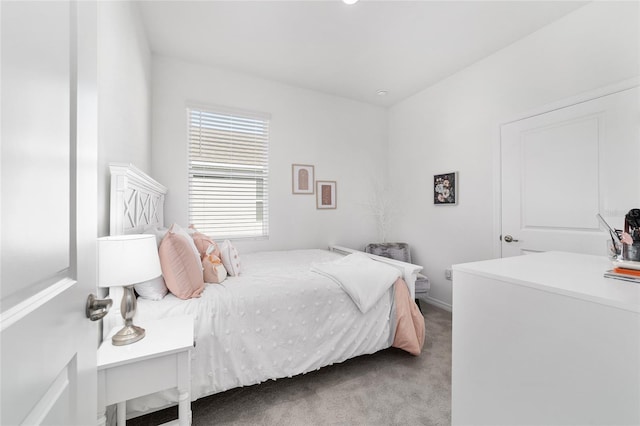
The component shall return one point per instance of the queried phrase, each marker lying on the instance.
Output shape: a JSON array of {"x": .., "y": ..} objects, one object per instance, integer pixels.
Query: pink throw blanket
[{"x": 410, "y": 329}]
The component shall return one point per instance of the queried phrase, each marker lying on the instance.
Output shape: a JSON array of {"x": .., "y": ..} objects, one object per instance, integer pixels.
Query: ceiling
[{"x": 352, "y": 51}]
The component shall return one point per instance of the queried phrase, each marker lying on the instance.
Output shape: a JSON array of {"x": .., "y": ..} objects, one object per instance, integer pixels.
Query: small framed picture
[
  {"x": 302, "y": 178},
  {"x": 445, "y": 189},
  {"x": 326, "y": 194}
]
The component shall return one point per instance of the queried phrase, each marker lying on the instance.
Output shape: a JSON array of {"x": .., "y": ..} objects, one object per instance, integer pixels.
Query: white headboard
[{"x": 137, "y": 200}]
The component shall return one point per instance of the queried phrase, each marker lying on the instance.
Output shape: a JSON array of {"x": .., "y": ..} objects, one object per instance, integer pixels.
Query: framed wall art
[
  {"x": 302, "y": 178},
  {"x": 445, "y": 189},
  {"x": 326, "y": 195}
]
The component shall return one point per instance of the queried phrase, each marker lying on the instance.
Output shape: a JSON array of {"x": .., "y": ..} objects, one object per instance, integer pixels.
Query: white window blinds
[{"x": 228, "y": 173}]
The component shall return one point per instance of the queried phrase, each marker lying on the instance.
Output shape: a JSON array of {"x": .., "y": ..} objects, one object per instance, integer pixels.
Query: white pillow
[
  {"x": 176, "y": 229},
  {"x": 154, "y": 289},
  {"x": 230, "y": 258},
  {"x": 158, "y": 232}
]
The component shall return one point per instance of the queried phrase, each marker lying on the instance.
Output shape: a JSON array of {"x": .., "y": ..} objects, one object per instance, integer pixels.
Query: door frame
[
  {"x": 85, "y": 168},
  {"x": 497, "y": 145}
]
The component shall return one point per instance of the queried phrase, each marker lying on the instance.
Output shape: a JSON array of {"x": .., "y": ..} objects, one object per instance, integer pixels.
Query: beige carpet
[{"x": 390, "y": 387}]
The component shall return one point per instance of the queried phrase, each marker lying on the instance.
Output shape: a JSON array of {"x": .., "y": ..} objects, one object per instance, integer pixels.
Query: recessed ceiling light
[
  {"x": 349, "y": 1},
  {"x": 382, "y": 93}
]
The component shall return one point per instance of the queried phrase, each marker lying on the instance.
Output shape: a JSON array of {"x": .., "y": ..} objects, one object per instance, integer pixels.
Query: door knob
[
  {"x": 97, "y": 308},
  {"x": 509, "y": 238}
]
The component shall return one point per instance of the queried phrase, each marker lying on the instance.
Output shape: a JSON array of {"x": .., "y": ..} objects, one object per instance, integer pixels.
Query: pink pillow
[
  {"x": 230, "y": 258},
  {"x": 203, "y": 242},
  {"x": 182, "y": 272},
  {"x": 177, "y": 229}
]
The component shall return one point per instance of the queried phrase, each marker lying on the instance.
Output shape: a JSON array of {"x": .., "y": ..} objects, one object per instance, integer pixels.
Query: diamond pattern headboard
[{"x": 137, "y": 200}]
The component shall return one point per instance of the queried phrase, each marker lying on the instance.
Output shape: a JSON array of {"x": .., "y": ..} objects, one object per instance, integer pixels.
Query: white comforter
[{"x": 277, "y": 319}]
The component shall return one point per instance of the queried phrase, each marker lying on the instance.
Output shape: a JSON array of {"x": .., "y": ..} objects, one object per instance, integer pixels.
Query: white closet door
[{"x": 559, "y": 169}]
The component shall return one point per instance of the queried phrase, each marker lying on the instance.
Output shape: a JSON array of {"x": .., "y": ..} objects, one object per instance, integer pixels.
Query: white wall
[
  {"x": 345, "y": 140},
  {"x": 453, "y": 126},
  {"x": 124, "y": 111}
]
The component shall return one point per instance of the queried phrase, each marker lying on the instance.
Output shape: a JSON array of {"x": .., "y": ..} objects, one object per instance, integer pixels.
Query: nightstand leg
[
  {"x": 184, "y": 409},
  {"x": 121, "y": 413},
  {"x": 184, "y": 388},
  {"x": 102, "y": 409}
]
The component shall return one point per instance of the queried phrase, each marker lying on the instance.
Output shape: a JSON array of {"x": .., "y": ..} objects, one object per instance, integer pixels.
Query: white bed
[{"x": 276, "y": 319}]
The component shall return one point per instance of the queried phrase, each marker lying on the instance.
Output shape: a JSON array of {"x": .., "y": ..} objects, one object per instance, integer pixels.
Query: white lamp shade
[{"x": 127, "y": 259}]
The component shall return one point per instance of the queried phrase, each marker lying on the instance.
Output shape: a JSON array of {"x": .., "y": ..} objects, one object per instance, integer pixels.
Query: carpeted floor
[{"x": 390, "y": 387}]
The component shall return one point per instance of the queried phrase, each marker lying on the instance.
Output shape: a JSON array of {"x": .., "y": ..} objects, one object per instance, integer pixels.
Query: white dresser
[{"x": 544, "y": 339}]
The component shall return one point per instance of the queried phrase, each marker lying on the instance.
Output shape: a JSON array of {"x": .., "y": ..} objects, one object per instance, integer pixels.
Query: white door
[
  {"x": 559, "y": 169},
  {"x": 49, "y": 202}
]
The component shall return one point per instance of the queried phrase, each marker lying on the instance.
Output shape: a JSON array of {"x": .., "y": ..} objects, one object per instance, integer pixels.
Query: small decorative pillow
[
  {"x": 154, "y": 289},
  {"x": 182, "y": 270},
  {"x": 214, "y": 271},
  {"x": 230, "y": 258}
]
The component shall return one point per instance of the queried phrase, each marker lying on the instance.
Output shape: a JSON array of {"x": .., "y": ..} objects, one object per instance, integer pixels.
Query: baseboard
[{"x": 438, "y": 303}]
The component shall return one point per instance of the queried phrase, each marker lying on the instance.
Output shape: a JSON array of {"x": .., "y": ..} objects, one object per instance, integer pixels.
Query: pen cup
[{"x": 631, "y": 251}]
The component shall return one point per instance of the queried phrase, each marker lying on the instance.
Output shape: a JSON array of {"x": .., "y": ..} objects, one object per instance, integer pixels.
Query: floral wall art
[{"x": 445, "y": 189}]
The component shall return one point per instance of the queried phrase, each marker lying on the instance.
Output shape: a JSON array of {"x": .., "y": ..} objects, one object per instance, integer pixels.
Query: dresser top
[{"x": 571, "y": 274}]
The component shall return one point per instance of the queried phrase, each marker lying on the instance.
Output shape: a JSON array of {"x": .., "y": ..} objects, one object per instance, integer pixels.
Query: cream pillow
[
  {"x": 182, "y": 270},
  {"x": 214, "y": 270},
  {"x": 230, "y": 258}
]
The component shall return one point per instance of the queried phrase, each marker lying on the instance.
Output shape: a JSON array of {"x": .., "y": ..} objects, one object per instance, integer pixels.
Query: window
[{"x": 229, "y": 173}]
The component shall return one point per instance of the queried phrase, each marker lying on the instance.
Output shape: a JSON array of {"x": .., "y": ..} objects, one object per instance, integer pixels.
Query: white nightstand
[{"x": 159, "y": 361}]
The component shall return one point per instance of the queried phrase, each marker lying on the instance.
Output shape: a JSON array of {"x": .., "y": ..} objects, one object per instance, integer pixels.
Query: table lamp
[{"x": 125, "y": 260}]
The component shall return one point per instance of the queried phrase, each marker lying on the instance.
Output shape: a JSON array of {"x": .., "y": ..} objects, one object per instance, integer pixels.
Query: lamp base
[{"x": 129, "y": 334}]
